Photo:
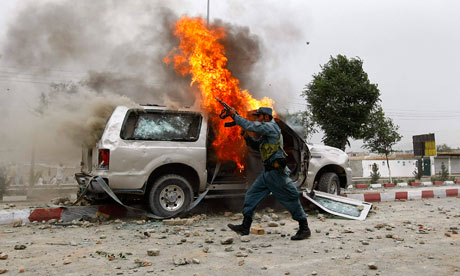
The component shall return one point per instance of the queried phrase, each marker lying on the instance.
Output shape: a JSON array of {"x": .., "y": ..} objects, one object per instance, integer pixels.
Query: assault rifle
[{"x": 224, "y": 113}]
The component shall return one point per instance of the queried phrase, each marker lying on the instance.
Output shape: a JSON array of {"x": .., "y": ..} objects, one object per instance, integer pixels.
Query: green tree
[
  {"x": 381, "y": 135},
  {"x": 340, "y": 99},
  {"x": 443, "y": 148},
  {"x": 375, "y": 174}
]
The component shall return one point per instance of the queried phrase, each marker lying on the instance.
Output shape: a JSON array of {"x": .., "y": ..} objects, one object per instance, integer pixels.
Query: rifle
[{"x": 224, "y": 113}]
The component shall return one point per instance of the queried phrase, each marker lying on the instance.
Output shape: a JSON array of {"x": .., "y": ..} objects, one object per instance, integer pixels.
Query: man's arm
[{"x": 256, "y": 127}]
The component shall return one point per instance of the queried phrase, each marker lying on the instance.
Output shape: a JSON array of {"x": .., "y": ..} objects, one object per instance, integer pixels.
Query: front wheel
[
  {"x": 329, "y": 183},
  {"x": 170, "y": 195}
]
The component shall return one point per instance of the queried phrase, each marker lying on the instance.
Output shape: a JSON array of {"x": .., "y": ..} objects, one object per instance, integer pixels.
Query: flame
[{"x": 201, "y": 55}]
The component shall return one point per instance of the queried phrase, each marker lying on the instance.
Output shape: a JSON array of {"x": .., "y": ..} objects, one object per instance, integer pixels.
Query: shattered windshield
[{"x": 162, "y": 126}]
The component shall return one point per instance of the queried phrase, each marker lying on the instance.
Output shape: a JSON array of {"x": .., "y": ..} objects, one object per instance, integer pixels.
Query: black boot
[
  {"x": 242, "y": 229},
  {"x": 303, "y": 232}
]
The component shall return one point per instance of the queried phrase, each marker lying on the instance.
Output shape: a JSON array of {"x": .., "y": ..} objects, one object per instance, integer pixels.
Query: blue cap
[{"x": 264, "y": 110}]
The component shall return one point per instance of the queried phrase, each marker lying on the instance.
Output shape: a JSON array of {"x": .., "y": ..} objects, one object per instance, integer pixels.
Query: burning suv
[{"x": 165, "y": 156}]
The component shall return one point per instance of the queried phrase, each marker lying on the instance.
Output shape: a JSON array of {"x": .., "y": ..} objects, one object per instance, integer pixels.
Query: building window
[{"x": 404, "y": 163}]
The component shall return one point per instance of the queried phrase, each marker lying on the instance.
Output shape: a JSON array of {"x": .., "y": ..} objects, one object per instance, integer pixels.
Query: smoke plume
[{"x": 71, "y": 62}]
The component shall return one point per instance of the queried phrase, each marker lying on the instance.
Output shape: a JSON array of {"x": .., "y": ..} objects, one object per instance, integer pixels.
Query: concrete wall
[{"x": 399, "y": 168}]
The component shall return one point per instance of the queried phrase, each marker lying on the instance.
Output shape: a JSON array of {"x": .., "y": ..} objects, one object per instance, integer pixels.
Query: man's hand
[{"x": 231, "y": 112}]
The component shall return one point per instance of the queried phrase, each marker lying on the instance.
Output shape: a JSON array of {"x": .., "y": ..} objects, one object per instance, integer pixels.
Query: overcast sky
[{"x": 409, "y": 48}]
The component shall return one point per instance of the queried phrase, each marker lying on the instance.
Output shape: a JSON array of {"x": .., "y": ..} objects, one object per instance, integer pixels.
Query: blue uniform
[{"x": 270, "y": 180}]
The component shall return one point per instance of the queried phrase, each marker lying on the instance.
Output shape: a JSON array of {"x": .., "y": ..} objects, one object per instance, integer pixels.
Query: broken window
[{"x": 161, "y": 125}]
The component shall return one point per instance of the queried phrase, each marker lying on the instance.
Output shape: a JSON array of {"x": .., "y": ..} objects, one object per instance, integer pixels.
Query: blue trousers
[{"x": 282, "y": 188}]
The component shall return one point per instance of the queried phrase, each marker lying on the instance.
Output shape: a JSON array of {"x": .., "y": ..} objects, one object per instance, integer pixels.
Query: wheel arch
[
  {"x": 340, "y": 171},
  {"x": 175, "y": 168}
]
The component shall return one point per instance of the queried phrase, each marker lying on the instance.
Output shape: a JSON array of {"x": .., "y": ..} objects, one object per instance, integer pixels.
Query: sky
[{"x": 409, "y": 48}]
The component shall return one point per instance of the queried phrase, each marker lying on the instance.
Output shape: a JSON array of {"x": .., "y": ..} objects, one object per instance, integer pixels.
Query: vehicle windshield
[{"x": 161, "y": 125}]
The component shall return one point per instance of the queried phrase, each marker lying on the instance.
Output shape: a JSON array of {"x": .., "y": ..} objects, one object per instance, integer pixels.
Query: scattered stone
[
  {"x": 228, "y": 214},
  {"x": 179, "y": 261},
  {"x": 430, "y": 257},
  {"x": 389, "y": 236},
  {"x": 103, "y": 237},
  {"x": 372, "y": 266},
  {"x": 20, "y": 247},
  {"x": 153, "y": 252},
  {"x": 209, "y": 229},
  {"x": 241, "y": 254},
  {"x": 274, "y": 216},
  {"x": 359, "y": 251},
  {"x": 347, "y": 231},
  {"x": 273, "y": 224},
  {"x": 245, "y": 239},
  {"x": 380, "y": 225},
  {"x": 195, "y": 261},
  {"x": 2, "y": 271},
  {"x": 227, "y": 240},
  {"x": 447, "y": 234},
  {"x": 3, "y": 256},
  {"x": 314, "y": 273},
  {"x": 266, "y": 218},
  {"x": 265, "y": 245},
  {"x": 347, "y": 257},
  {"x": 208, "y": 240},
  {"x": 196, "y": 233},
  {"x": 229, "y": 249},
  {"x": 176, "y": 221},
  {"x": 317, "y": 230},
  {"x": 422, "y": 242},
  {"x": 17, "y": 223},
  {"x": 206, "y": 249},
  {"x": 241, "y": 263},
  {"x": 365, "y": 243}
]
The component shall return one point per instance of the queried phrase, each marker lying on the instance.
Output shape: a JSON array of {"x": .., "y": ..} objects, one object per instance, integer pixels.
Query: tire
[
  {"x": 170, "y": 195},
  {"x": 329, "y": 183}
]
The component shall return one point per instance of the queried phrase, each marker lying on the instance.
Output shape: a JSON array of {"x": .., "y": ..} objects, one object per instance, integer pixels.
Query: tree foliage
[
  {"x": 381, "y": 135},
  {"x": 301, "y": 123},
  {"x": 443, "y": 148},
  {"x": 341, "y": 99}
]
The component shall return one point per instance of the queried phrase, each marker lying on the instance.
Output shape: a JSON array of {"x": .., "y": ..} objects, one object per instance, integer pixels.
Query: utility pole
[{"x": 207, "y": 20}]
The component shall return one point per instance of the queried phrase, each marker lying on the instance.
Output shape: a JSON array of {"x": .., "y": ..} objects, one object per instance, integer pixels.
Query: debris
[
  {"x": 257, "y": 230},
  {"x": 209, "y": 229},
  {"x": 3, "y": 271},
  {"x": 142, "y": 263},
  {"x": 17, "y": 223},
  {"x": 228, "y": 214},
  {"x": 206, "y": 249},
  {"x": 195, "y": 261},
  {"x": 153, "y": 252},
  {"x": 273, "y": 224},
  {"x": 372, "y": 266},
  {"x": 245, "y": 239},
  {"x": 241, "y": 254},
  {"x": 228, "y": 249},
  {"x": 227, "y": 240},
  {"x": 447, "y": 235},
  {"x": 240, "y": 263},
  {"x": 3, "y": 256},
  {"x": 20, "y": 247}
]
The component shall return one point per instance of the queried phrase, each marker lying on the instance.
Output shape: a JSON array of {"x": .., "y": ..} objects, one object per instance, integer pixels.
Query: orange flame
[{"x": 201, "y": 55}]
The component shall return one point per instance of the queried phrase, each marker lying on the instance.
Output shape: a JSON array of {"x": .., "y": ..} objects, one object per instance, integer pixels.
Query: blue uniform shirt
[{"x": 269, "y": 133}]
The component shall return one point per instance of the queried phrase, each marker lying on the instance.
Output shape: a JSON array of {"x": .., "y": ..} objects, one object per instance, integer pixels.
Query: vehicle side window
[{"x": 161, "y": 126}]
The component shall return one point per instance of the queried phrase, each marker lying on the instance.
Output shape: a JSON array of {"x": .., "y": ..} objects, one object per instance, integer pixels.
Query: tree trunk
[{"x": 389, "y": 171}]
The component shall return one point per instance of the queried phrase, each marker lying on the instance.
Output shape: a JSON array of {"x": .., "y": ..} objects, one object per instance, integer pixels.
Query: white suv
[{"x": 165, "y": 156}]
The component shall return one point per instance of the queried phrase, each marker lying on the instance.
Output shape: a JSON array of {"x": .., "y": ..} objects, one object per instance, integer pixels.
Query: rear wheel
[
  {"x": 170, "y": 195},
  {"x": 329, "y": 183}
]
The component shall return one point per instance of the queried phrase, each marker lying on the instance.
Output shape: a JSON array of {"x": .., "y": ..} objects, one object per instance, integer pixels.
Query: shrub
[
  {"x": 375, "y": 174},
  {"x": 444, "y": 172}
]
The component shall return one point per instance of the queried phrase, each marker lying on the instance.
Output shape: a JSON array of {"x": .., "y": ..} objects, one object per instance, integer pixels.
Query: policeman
[{"x": 274, "y": 178}]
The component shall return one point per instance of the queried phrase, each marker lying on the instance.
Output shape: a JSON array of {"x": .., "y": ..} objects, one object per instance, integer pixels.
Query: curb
[
  {"x": 404, "y": 195},
  {"x": 64, "y": 214}
]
